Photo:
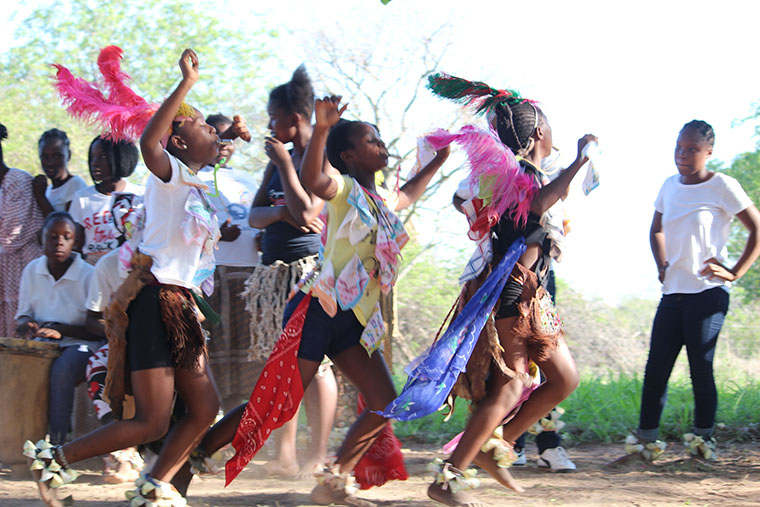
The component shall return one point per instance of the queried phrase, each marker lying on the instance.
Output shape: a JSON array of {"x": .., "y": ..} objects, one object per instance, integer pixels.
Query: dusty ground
[{"x": 733, "y": 480}]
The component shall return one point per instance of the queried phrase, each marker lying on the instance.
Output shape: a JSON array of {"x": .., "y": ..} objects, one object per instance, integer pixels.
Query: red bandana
[
  {"x": 275, "y": 398},
  {"x": 383, "y": 461}
]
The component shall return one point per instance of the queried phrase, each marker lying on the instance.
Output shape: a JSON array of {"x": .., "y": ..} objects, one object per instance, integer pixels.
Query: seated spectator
[{"x": 51, "y": 307}]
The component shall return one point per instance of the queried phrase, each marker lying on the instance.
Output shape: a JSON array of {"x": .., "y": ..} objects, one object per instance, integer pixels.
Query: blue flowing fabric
[{"x": 434, "y": 373}]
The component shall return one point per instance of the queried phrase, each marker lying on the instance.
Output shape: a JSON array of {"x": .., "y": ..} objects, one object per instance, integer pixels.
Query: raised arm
[
  {"x": 150, "y": 141},
  {"x": 557, "y": 189},
  {"x": 315, "y": 168},
  {"x": 657, "y": 242},
  {"x": 413, "y": 189}
]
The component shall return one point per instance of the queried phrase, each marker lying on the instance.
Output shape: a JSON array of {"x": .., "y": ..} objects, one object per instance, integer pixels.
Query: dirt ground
[{"x": 675, "y": 480}]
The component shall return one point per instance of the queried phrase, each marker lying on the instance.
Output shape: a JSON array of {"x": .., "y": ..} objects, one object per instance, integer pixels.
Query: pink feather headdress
[
  {"x": 123, "y": 115},
  {"x": 502, "y": 184}
]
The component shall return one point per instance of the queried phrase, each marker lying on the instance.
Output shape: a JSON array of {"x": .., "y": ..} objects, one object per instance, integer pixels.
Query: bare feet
[
  {"x": 458, "y": 499},
  {"x": 501, "y": 474},
  {"x": 323, "y": 494},
  {"x": 310, "y": 467},
  {"x": 279, "y": 469}
]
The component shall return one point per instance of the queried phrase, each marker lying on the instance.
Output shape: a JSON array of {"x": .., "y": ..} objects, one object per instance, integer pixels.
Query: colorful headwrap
[{"x": 122, "y": 114}]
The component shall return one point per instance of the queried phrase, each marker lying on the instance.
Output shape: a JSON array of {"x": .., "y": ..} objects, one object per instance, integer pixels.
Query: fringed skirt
[{"x": 266, "y": 293}]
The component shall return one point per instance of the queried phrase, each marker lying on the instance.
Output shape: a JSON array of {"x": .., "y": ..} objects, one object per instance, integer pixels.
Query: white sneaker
[
  {"x": 521, "y": 461},
  {"x": 556, "y": 459}
]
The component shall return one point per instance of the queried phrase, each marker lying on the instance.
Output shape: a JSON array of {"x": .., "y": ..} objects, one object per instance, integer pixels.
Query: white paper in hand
[
  {"x": 591, "y": 181},
  {"x": 425, "y": 155}
]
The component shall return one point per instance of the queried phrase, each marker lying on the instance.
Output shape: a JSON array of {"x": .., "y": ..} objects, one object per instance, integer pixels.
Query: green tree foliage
[
  {"x": 746, "y": 169},
  {"x": 427, "y": 288},
  {"x": 153, "y": 34}
]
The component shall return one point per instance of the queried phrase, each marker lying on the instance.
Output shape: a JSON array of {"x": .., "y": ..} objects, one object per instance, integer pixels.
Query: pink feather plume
[
  {"x": 123, "y": 115},
  {"x": 513, "y": 189}
]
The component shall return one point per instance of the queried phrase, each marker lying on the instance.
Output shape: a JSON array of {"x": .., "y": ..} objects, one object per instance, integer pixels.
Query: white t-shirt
[
  {"x": 106, "y": 278},
  {"x": 175, "y": 260},
  {"x": 58, "y": 197},
  {"x": 696, "y": 220},
  {"x": 93, "y": 210},
  {"x": 45, "y": 299},
  {"x": 237, "y": 189}
]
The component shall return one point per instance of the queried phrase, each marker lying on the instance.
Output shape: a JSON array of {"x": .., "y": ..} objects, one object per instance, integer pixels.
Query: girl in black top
[
  {"x": 524, "y": 129},
  {"x": 289, "y": 216}
]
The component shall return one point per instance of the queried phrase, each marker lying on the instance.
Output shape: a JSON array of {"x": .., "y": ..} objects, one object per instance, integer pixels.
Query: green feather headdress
[{"x": 472, "y": 93}]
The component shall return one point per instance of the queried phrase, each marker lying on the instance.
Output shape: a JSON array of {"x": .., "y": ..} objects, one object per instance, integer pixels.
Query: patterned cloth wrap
[
  {"x": 383, "y": 461},
  {"x": 367, "y": 216},
  {"x": 200, "y": 226},
  {"x": 433, "y": 374},
  {"x": 275, "y": 399}
]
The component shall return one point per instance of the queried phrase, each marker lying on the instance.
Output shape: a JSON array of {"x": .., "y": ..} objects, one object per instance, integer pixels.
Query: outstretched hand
[
  {"x": 582, "y": 142},
  {"x": 327, "y": 111},
  {"x": 715, "y": 269},
  {"x": 188, "y": 64}
]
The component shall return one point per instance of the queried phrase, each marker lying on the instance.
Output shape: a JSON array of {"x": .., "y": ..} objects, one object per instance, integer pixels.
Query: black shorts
[
  {"x": 322, "y": 334},
  {"x": 508, "y": 299},
  {"x": 147, "y": 341}
]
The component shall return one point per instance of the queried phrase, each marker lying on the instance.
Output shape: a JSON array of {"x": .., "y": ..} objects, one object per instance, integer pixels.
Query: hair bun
[{"x": 3, "y": 132}]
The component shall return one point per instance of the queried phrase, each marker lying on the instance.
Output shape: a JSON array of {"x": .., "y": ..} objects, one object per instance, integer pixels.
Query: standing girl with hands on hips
[{"x": 690, "y": 228}]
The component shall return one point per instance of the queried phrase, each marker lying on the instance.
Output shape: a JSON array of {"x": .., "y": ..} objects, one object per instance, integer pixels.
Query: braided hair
[
  {"x": 514, "y": 117},
  {"x": 704, "y": 129},
  {"x": 295, "y": 96},
  {"x": 339, "y": 140},
  {"x": 122, "y": 157},
  {"x": 516, "y": 124}
]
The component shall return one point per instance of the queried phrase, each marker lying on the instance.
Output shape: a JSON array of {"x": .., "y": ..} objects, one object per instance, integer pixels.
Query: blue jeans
[
  {"x": 693, "y": 320},
  {"x": 67, "y": 372}
]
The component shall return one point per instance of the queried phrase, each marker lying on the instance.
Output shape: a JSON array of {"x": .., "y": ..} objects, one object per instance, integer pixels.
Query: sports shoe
[
  {"x": 556, "y": 459},
  {"x": 521, "y": 461}
]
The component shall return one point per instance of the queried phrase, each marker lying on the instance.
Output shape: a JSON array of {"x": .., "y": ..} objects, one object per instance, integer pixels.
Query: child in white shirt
[
  {"x": 110, "y": 164},
  {"x": 688, "y": 236},
  {"x": 163, "y": 346},
  {"x": 55, "y": 153},
  {"x": 52, "y": 307}
]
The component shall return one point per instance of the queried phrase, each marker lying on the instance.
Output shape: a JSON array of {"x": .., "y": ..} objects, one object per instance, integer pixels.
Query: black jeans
[{"x": 693, "y": 320}]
